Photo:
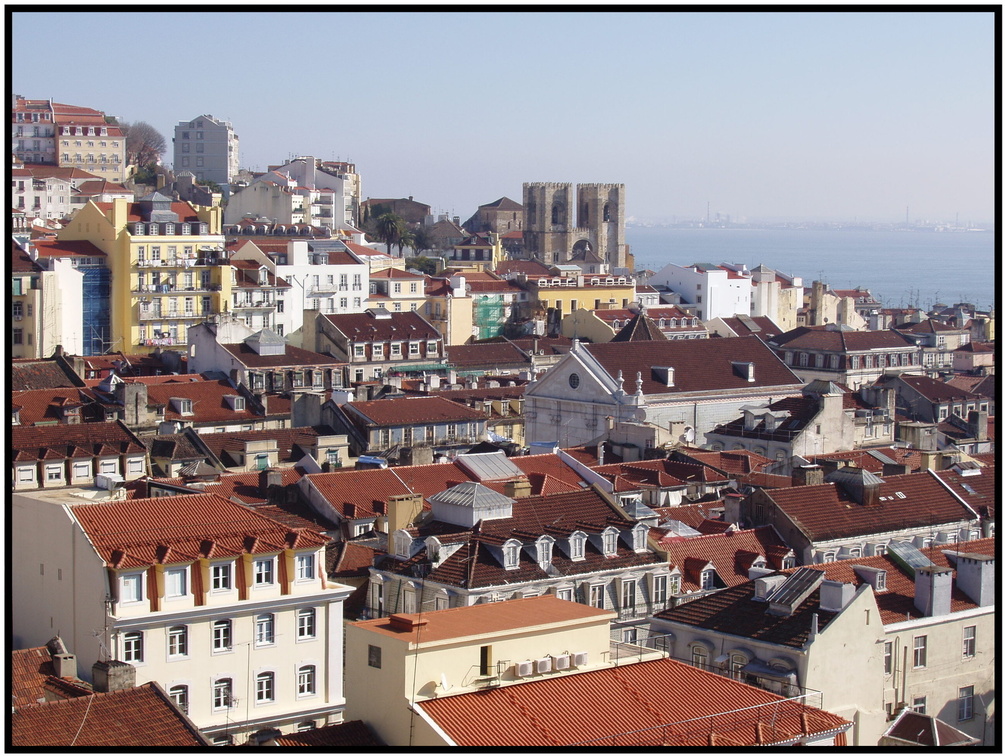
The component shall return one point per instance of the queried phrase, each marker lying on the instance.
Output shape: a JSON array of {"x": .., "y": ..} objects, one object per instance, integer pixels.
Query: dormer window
[
  {"x": 759, "y": 562},
  {"x": 131, "y": 588},
  {"x": 577, "y": 545},
  {"x": 511, "y": 554},
  {"x": 708, "y": 579},
  {"x": 544, "y": 544},
  {"x": 182, "y": 406},
  {"x": 639, "y": 533},
  {"x": 402, "y": 544},
  {"x": 610, "y": 541},
  {"x": 138, "y": 229}
]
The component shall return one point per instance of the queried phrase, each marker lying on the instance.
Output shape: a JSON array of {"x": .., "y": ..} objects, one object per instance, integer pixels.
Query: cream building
[
  {"x": 228, "y": 610},
  {"x": 416, "y": 657}
]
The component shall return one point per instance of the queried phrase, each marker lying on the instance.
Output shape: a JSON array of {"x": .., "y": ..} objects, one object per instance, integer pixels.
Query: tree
[
  {"x": 421, "y": 240},
  {"x": 388, "y": 228},
  {"x": 405, "y": 239},
  {"x": 144, "y": 144}
]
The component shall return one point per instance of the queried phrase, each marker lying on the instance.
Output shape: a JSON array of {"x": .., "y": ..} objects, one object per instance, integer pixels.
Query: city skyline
[{"x": 802, "y": 116}]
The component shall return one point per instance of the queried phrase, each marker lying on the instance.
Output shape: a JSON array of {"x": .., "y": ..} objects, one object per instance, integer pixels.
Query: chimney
[
  {"x": 975, "y": 576},
  {"x": 835, "y": 595},
  {"x": 112, "y": 675},
  {"x": 978, "y": 425},
  {"x": 269, "y": 477},
  {"x": 402, "y": 511},
  {"x": 894, "y": 469},
  {"x": 808, "y": 475},
  {"x": 517, "y": 488},
  {"x": 133, "y": 396},
  {"x": 64, "y": 664},
  {"x": 933, "y": 587}
]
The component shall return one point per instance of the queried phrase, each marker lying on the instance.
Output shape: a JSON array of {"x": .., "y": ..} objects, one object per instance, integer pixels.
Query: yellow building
[
  {"x": 554, "y": 296},
  {"x": 450, "y": 308},
  {"x": 169, "y": 267}
]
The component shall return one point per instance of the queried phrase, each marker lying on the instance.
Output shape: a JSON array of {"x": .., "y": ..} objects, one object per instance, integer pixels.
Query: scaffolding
[{"x": 488, "y": 316}]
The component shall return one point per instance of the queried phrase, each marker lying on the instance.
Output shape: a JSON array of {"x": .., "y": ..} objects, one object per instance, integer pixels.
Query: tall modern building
[{"x": 207, "y": 147}]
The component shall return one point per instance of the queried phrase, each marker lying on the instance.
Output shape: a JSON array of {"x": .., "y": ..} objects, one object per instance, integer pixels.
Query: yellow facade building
[{"x": 169, "y": 267}]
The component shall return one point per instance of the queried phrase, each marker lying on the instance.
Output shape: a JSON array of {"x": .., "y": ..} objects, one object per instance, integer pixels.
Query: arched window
[
  {"x": 307, "y": 680},
  {"x": 577, "y": 545},
  {"x": 737, "y": 661},
  {"x": 610, "y": 542},
  {"x": 699, "y": 656},
  {"x": 511, "y": 555},
  {"x": 265, "y": 687},
  {"x": 607, "y": 213},
  {"x": 557, "y": 214},
  {"x": 265, "y": 629}
]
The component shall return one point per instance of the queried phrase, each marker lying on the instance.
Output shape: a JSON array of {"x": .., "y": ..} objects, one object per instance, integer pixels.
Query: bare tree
[{"x": 144, "y": 144}]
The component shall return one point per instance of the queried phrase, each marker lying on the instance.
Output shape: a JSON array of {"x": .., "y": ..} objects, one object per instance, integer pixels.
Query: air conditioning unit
[
  {"x": 561, "y": 661},
  {"x": 524, "y": 668},
  {"x": 543, "y": 665},
  {"x": 580, "y": 659}
]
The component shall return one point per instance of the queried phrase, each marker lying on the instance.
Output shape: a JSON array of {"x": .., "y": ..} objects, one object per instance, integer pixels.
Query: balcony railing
[{"x": 169, "y": 315}]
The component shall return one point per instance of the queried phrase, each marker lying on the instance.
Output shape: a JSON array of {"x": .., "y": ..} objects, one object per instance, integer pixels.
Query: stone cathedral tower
[{"x": 560, "y": 223}]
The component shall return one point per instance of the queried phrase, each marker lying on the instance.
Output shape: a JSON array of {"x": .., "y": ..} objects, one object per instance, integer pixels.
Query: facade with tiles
[{"x": 228, "y": 610}]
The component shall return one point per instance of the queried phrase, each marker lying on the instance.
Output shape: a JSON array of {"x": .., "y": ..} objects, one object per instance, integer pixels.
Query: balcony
[
  {"x": 169, "y": 315},
  {"x": 263, "y": 305}
]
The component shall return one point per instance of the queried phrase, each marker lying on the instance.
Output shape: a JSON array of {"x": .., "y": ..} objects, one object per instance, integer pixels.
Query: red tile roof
[
  {"x": 137, "y": 211},
  {"x": 400, "y": 326},
  {"x": 44, "y": 405},
  {"x": 664, "y": 711},
  {"x": 31, "y": 678},
  {"x": 937, "y": 391},
  {"x": 351, "y": 735},
  {"x": 823, "y": 339},
  {"x": 54, "y": 171},
  {"x": 29, "y": 374},
  {"x": 58, "y": 248},
  {"x": 867, "y": 459},
  {"x": 20, "y": 262},
  {"x": 700, "y": 365},
  {"x": 173, "y": 529},
  {"x": 131, "y": 719},
  {"x": 208, "y": 403},
  {"x": 827, "y": 511},
  {"x": 293, "y": 357},
  {"x": 77, "y": 440},
  {"x": 410, "y": 410},
  {"x": 760, "y": 326},
  {"x": 491, "y": 354},
  {"x": 732, "y": 554}
]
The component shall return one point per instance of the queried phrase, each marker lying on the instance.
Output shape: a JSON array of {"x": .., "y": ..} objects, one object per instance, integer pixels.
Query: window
[
  {"x": 176, "y": 582},
  {"x": 179, "y": 696},
  {"x": 674, "y": 584},
  {"x": 737, "y": 662},
  {"x": 920, "y": 651},
  {"x": 970, "y": 641},
  {"x": 178, "y": 641},
  {"x": 305, "y": 566},
  {"x": 373, "y": 656},
  {"x": 265, "y": 629},
  {"x": 628, "y": 595},
  {"x": 131, "y": 588},
  {"x": 920, "y": 704},
  {"x": 485, "y": 660},
  {"x": 263, "y": 572},
  {"x": 222, "y": 636},
  {"x": 220, "y": 577},
  {"x": 306, "y": 624},
  {"x": 564, "y": 593},
  {"x": 265, "y": 687},
  {"x": 511, "y": 556},
  {"x": 965, "y": 704},
  {"x": 53, "y": 472},
  {"x": 707, "y": 579},
  {"x": 597, "y": 596},
  {"x": 610, "y": 542},
  {"x": 699, "y": 657},
  {"x": 888, "y": 658},
  {"x": 307, "y": 680},
  {"x": 132, "y": 647},
  {"x": 630, "y": 635},
  {"x": 306, "y": 726},
  {"x": 223, "y": 696}
]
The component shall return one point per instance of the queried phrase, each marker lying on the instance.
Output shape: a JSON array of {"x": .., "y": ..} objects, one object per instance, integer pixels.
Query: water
[{"x": 900, "y": 268}]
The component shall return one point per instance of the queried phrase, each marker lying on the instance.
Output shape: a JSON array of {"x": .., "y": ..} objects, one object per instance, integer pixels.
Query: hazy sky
[{"x": 763, "y": 115}]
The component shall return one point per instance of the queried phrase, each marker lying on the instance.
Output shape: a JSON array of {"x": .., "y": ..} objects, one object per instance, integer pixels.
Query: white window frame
[
  {"x": 177, "y": 641},
  {"x": 965, "y": 704},
  {"x": 307, "y": 681},
  {"x": 176, "y": 582},
  {"x": 179, "y": 696},
  {"x": 305, "y": 567},
  {"x": 969, "y": 641},
  {"x": 264, "y": 572},
  {"x": 223, "y": 693},
  {"x": 920, "y": 658},
  {"x": 132, "y": 647},
  {"x": 307, "y": 624},
  {"x": 265, "y": 629},
  {"x": 222, "y": 636},
  {"x": 221, "y": 576},
  {"x": 597, "y": 595},
  {"x": 265, "y": 688},
  {"x": 131, "y": 588}
]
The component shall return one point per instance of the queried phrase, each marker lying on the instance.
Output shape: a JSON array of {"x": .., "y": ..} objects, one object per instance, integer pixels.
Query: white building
[
  {"x": 228, "y": 610},
  {"x": 324, "y": 275},
  {"x": 41, "y": 197},
  {"x": 208, "y": 147},
  {"x": 714, "y": 290}
]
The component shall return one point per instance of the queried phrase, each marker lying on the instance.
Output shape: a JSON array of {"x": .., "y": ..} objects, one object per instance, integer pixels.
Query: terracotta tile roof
[
  {"x": 101, "y": 186},
  {"x": 58, "y": 248},
  {"x": 491, "y": 286},
  {"x": 699, "y": 364},
  {"x": 926, "y": 730},
  {"x": 290, "y": 441},
  {"x": 822, "y": 339},
  {"x": 760, "y": 326},
  {"x": 365, "y": 252},
  {"x": 867, "y": 459},
  {"x": 208, "y": 403},
  {"x": 396, "y": 273},
  {"x": 45, "y": 405},
  {"x": 655, "y": 313},
  {"x": 925, "y": 326},
  {"x": 801, "y": 411},
  {"x": 20, "y": 262},
  {"x": 978, "y": 490},
  {"x": 474, "y": 566},
  {"x": 731, "y": 552},
  {"x": 480, "y": 619},
  {"x": 77, "y": 440},
  {"x": 827, "y": 511},
  {"x": 691, "y": 515},
  {"x": 639, "y": 328},
  {"x": 28, "y": 374},
  {"x": 248, "y": 488},
  {"x": 173, "y": 446},
  {"x": 545, "y": 344},
  {"x": 531, "y": 268},
  {"x": 352, "y": 560},
  {"x": 31, "y": 677},
  {"x": 132, "y": 719},
  {"x": 664, "y": 711},
  {"x": 54, "y": 171},
  {"x": 293, "y": 358},
  {"x": 411, "y": 410},
  {"x": 464, "y": 396},
  {"x": 137, "y": 211},
  {"x": 937, "y": 391},
  {"x": 487, "y": 354},
  {"x": 399, "y": 326},
  {"x": 173, "y": 529},
  {"x": 353, "y": 735},
  {"x": 731, "y": 463}
]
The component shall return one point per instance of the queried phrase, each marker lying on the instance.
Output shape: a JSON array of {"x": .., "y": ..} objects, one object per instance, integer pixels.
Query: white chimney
[
  {"x": 834, "y": 595},
  {"x": 933, "y": 587},
  {"x": 975, "y": 576}
]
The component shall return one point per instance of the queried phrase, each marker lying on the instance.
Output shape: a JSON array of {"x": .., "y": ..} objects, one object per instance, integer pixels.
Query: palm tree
[
  {"x": 405, "y": 239},
  {"x": 388, "y": 229}
]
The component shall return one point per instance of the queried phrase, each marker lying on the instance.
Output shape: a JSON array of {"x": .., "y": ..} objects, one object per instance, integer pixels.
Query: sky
[{"x": 758, "y": 115}]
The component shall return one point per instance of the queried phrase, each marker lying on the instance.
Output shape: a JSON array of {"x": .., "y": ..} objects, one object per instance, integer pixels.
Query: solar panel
[
  {"x": 797, "y": 586},
  {"x": 907, "y": 556}
]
